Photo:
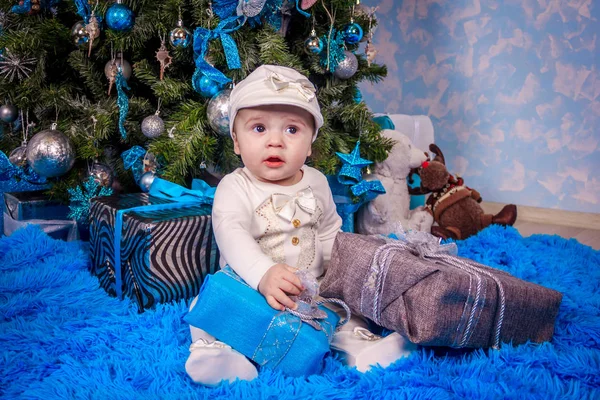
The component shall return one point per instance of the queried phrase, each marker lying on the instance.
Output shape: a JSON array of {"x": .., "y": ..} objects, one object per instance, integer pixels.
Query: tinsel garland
[
  {"x": 122, "y": 102},
  {"x": 335, "y": 50}
]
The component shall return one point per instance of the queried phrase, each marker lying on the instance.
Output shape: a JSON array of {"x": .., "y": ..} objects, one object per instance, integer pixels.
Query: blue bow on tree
[
  {"x": 203, "y": 36},
  {"x": 26, "y": 6},
  {"x": 9, "y": 171},
  {"x": 132, "y": 159}
]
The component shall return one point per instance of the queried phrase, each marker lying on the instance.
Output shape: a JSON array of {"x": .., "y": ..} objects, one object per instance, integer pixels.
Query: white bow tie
[
  {"x": 304, "y": 87},
  {"x": 285, "y": 205}
]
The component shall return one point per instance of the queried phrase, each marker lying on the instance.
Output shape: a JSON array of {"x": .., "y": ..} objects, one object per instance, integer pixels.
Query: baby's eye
[
  {"x": 291, "y": 129},
  {"x": 259, "y": 128}
]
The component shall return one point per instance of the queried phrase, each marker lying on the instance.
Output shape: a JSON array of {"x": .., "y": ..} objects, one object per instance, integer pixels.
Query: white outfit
[
  {"x": 252, "y": 237},
  {"x": 257, "y": 225}
]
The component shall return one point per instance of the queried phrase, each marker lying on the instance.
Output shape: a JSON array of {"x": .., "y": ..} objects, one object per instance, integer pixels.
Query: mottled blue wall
[{"x": 512, "y": 88}]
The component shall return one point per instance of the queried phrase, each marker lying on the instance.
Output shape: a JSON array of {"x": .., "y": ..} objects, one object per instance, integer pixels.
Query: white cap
[{"x": 273, "y": 84}]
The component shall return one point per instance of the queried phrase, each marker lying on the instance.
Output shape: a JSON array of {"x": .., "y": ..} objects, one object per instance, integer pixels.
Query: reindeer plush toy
[{"x": 455, "y": 207}]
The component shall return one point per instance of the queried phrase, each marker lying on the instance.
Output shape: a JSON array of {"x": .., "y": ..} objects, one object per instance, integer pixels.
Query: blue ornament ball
[
  {"x": 207, "y": 87},
  {"x": 353, "y": 33},
  {"x": 119, "y": 17}
]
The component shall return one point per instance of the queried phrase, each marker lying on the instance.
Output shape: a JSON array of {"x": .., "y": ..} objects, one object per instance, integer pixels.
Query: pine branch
[{"x": 94, "y": 80}]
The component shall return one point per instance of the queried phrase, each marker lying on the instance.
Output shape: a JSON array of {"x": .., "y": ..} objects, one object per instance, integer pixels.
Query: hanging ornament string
[
  {"x": 203, "y": 36},
  {"x": 370, "y": 50},
  {"x": 335, "y": 44},
  {"x": 122, "y": 100}
]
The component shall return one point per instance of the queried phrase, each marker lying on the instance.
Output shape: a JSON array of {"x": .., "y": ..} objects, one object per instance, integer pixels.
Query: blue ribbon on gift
[
  {"x": 201, "y": 193},
  {"x": 203, "y": 36}
]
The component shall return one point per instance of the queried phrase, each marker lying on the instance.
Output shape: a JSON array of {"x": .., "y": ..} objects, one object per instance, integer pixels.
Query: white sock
[
  {"x": 212, "y": 362},
  {"x": 361, "y": 348}
]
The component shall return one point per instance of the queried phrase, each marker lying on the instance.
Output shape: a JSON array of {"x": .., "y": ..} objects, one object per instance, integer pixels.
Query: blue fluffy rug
[{"x": 62, "y": 337}]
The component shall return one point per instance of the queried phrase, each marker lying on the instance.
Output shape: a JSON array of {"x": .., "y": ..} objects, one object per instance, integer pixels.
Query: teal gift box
[{"x": 239, "y": 316}]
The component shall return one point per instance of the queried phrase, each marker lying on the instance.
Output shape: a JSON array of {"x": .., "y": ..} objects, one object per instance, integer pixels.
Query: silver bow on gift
[
  {"x": 285, "y": 326},
  {"x": 285, "y": 205},
  {"x": 304, "y": 87},
  {"x": 308, "y": 306}
]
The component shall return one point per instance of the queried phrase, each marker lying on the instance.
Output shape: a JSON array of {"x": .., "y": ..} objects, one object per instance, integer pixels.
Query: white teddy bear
[{"x": 383, "y": 214}]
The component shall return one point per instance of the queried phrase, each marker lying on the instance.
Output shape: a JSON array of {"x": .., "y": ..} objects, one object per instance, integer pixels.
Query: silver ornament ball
[
  {"x": 347, "y": 67},
  {"x": 313, "y": 45},
  {"x": 9, "y": 113},
  {"x": 18, "y": 156},
  {"x": 50, "y": 153},
  {"x": 79, "y": 34},
  {"x": 150, "y": 162},
  {"x": 102, "y": 173},
  {"x": 117, "y": 61},
  {"x": 153, "y": 126},
  {"x": 146, "y": 181},
  {"x": 217, "y": 112},
  {"x": 180, "y": 37}
]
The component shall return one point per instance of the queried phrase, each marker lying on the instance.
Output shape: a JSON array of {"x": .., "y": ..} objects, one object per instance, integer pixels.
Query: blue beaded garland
[
  {"x": 119, "y": 17},
  {"x": 353, "y": 33}
]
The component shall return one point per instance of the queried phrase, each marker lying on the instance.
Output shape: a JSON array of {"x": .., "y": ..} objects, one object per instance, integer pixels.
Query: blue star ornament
[{"x": 351, "y": 171}]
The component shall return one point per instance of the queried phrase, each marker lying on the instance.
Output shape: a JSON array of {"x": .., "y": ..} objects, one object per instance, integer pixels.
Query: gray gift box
[{"x": 437, "y": 299}]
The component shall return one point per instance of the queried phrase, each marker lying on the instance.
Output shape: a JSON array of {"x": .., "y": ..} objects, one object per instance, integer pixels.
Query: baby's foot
[
  {"x": 212, "y": 362},
  {"x": 363, "y": 349}
]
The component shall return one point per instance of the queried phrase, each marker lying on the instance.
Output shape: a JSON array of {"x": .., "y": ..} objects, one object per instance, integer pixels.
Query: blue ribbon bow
[
  {"x": 368, "y": 189},
  {"x": 132, "y": 159},
  {"x": 9, "y": 171},
  {"x": 201, "y": 193},
  {"x": 203, "y": 36}
]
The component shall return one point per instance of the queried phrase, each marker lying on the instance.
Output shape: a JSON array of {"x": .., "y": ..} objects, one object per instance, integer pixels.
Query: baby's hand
[{"x": 279, "y": 282}]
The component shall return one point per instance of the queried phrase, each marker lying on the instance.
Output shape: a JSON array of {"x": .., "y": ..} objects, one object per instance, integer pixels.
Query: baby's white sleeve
[
  {"x": 331, "y": 224},
  {"x": 232, "y": 221}
]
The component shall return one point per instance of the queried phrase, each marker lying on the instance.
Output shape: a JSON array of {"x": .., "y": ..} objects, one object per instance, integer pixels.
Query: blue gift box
[{"x": 239, "y": 316}]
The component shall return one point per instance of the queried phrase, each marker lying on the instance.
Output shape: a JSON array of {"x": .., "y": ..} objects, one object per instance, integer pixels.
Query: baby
[{"x": 277, "y": 215}]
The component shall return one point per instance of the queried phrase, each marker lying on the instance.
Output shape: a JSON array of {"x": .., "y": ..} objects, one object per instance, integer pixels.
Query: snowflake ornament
[
  {"x": 81, "y": 199},
  {"x": 14, "y": 66}
]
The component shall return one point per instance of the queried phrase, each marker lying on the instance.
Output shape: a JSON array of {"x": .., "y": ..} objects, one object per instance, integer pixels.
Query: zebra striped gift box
[{"x": 164, "y": 255}]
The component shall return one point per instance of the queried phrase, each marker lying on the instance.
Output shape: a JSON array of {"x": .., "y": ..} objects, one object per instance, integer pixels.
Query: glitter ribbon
[
  {"x": 83, "y": 9},
  {"x": 8, "y": 172},
  {"x": 132, "y": 159},
  {"x": 122, "y": 101},
  {"x": 203, "y": 36}
]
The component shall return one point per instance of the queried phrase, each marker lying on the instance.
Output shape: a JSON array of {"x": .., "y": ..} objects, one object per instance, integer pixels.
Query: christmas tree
[{"x": 138, "y": 87}]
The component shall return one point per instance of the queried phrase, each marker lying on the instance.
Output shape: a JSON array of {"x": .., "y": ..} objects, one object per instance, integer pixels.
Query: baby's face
[{"x": 274, "y": 141}]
